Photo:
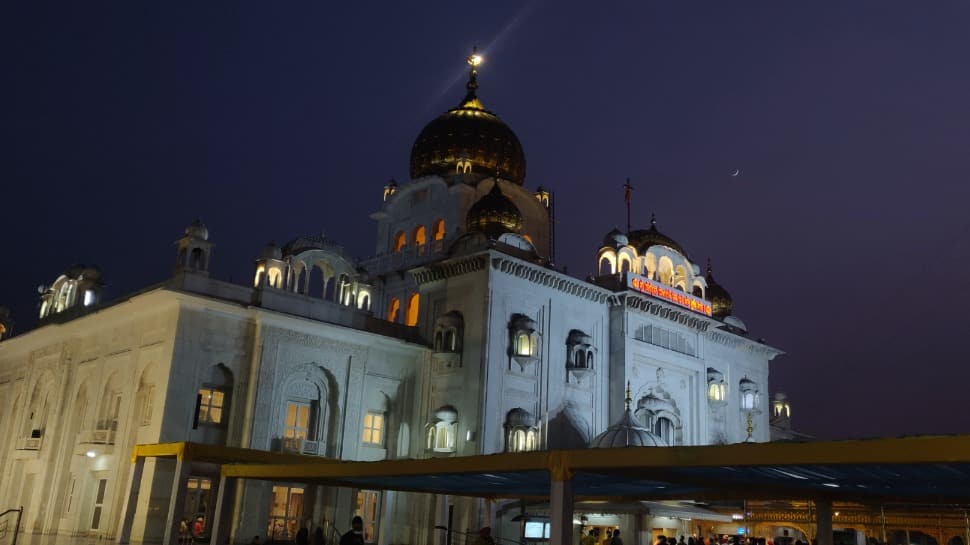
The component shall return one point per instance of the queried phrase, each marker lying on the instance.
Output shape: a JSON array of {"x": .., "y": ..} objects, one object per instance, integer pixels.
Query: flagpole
[{"x": 627, "y": 196}]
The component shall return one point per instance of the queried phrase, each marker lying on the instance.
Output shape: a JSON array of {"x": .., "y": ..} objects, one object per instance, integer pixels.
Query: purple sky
[{"x": 844, "y": 241}]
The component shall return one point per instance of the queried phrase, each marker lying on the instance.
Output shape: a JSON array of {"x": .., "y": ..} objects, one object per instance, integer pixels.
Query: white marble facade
[{"x": 457, "y": 338}]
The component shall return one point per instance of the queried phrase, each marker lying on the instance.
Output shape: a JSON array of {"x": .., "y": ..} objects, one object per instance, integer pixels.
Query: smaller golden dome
[
  {"x": 494, "y": 214},
  {"x": 643, "y": 239},
  {"x": 721, "y": 303}
]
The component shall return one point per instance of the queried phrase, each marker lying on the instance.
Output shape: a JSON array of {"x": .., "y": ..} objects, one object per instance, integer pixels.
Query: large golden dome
[{"x": 468, "y": 143}]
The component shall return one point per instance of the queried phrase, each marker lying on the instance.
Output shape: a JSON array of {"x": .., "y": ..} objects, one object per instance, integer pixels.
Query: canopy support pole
[{"x": 823, "y": 514}]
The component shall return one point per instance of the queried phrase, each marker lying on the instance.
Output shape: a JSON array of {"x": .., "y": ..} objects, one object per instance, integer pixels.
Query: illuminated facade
[{"x": 457, "y": 337}]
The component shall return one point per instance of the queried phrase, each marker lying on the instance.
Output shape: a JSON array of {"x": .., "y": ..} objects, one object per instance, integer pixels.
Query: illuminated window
[
  {"x": 521, "y": 434},
  {"x": 285, "y": 513},
  {"x": 412, "y": 311},
  {"x": 400, "y": 241},
  {"x": 438, "y": 230},
  {"x": 716, "y": 391},
  {"x": 368, "y": 508},
  {"x": 523, "y": 340},
  {"x": 749, "y": 394},
  {"x": 88, "y": 299},
  {"x": 373, "y": 428},
  {"x": 297, "y": 420},
  {"x": 210, "y": 405},
  {"x": 420, "y": 236},
  {"x": 393, "y": 308},
  {"x": 524, "y": 345},
  {"x": 443, "y": 430}
]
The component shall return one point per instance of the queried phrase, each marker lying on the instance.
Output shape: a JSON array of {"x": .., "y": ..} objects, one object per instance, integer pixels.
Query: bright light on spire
[{"x": 475, "y": 59}]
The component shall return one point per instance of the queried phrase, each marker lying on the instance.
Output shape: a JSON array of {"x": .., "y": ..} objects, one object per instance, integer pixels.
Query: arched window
[
  {"x": 606, "y": 266},
  {"x": 521, "y": 434},
  {"x": 412, "y": 311},
  {"x": 393, "y": 308},
  {"x": 664, "y": 428},
  {"x": 443, "y": 430},
  {"x": 438, "y": 229},
  {"x": 400, "y": 241},
  {"x": 624, "y": 264},
  {"x": 523, "y": 345},
  {"x": 420, "y": 236},
  {"x": 275, "y": 278},
  {"x": 589, "y": 358}
]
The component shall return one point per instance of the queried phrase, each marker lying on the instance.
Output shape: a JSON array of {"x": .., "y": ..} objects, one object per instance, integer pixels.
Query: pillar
[
  {"x": 823, "y": 514},
  {"x": 177, "y": 502},
  {"x": 131, "y": 500},
  {"x": 561, "y": 511},
  {"x": 221, "y": 517}
]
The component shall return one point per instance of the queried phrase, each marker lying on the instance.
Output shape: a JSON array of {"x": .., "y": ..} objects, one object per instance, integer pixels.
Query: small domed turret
[
  {"x": 721, "y": 303},
  {"x": 272, "y": 251},
  {"x": 494, "y": 214},
  {"x": 197, "y": 230},
  {"x": 615, "y": 239},
  {"x": 628, "y": 432}
]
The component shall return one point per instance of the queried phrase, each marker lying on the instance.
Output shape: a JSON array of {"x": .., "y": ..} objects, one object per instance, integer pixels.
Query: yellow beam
[
  {"x": 218, "y": 454},
  {"x": 913, "y": 450}
]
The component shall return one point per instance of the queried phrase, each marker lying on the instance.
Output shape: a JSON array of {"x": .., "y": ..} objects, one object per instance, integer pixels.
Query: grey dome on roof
[{"x": 628, "y": 432}]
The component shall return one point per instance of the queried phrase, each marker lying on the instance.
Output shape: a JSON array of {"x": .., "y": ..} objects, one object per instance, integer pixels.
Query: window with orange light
[
  {"x": 412, "y": 311},
  {"x": 438, "y": 230},
  {"x": 420, "y": 236},
  {"x": 392, "y": 309},
  {"x": 400, "y": 241}
]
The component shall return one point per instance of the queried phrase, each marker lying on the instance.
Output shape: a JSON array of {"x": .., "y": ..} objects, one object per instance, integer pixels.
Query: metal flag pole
[{"x": 628, "y": 197}]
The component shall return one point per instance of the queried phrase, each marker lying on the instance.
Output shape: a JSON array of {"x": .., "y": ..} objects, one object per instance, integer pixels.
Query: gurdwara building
[{"x": 459, "y": 337}]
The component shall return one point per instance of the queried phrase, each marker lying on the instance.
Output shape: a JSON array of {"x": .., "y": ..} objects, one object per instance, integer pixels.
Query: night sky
[{"x": 844, "y": 240}]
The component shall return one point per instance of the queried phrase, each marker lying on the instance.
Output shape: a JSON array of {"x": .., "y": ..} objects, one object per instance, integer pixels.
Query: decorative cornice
[
  {"x": 674, "y": 314},
  {"x": 449, "y": 269},
  {"x": 548, "y": 278}
]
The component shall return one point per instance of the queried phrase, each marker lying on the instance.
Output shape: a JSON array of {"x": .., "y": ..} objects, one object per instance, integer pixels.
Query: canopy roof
[{"x": 915, "y": 469}]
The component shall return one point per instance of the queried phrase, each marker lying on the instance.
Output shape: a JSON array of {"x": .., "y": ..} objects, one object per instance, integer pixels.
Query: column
[
  {"x": 177, "y": 502},
  {"x": 561, "y": 512},
  {"x": 131, "y": 500},
  {"x": 221, "y": 519},
  {"x": 823, "y": 514}
]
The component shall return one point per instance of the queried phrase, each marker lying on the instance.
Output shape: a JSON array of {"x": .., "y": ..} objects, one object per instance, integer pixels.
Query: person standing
[
  {"x": 616, "y": 539},
  {"x": 356, "y": 534}
]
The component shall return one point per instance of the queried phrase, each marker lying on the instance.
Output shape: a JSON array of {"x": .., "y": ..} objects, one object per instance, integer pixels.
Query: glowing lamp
[
  {"x": 475, "y": 59},
  {"x": 90, "y": 454}
]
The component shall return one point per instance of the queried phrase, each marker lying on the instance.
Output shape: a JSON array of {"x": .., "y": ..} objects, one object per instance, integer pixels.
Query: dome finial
[
  {"x": 473, "y": 60},
  {"x": 653, "y": 220},
  {"x": 629, "y": 396},
  {"x": 709, "y": 269}
]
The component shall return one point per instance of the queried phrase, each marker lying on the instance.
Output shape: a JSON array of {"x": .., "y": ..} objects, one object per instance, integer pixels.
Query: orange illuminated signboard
[{"x": 662, "y": 291}]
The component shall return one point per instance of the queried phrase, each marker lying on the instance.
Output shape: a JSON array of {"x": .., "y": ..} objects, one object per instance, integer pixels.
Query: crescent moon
[{"x": 735, "y": 172}]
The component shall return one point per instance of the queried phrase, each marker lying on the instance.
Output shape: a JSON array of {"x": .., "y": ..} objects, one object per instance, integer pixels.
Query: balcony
[
  {"x": 97, "y": 437},
  {"x": 296, "y": 445},
  {"x": 29, "y": 443},
  {"x": 408, "y": 257}
]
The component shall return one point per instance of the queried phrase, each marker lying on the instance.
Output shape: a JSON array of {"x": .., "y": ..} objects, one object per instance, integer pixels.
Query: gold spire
[{"x": 471, "y": 99}]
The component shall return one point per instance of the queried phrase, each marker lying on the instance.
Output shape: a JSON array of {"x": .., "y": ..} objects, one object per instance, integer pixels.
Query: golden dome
[
  {"x": 721, "y": 302},
  {"x": 468, "y": 143},
  {"x": 643, "y": 239},
  {"x": 494, "y": 214}
]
